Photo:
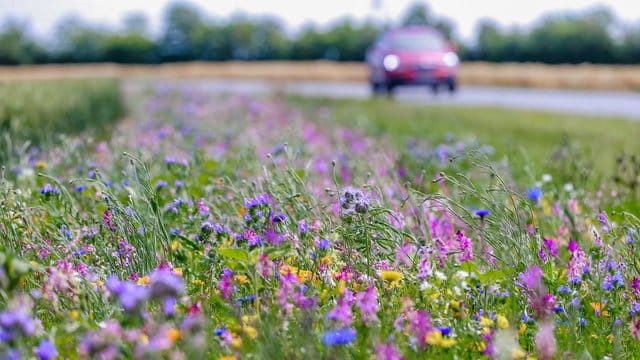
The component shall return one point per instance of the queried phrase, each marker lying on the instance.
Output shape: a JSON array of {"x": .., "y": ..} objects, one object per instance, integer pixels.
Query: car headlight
[
  {"x": 391, "y": 62},
  {"x": 450, "y": 59}
]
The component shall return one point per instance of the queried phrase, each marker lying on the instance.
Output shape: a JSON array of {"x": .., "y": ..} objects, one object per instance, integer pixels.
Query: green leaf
[{"x": 236, "y": 254}]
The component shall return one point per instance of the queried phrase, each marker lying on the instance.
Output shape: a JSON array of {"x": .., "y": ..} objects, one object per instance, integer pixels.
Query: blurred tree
[
  {"x": 16, "y": 46},
  {"x": 182, "y": 23},
  {"x": 129, "y": 48},
  {"x": 419, "y": 13},
  {"x": 76, "y": 41}
]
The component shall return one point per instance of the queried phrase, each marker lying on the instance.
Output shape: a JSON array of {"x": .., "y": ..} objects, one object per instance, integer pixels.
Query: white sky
[{"x": 43, "y": 14}]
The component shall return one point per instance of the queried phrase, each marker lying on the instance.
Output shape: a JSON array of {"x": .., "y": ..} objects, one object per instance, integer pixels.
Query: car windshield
[{"x": 417, "y": 41}]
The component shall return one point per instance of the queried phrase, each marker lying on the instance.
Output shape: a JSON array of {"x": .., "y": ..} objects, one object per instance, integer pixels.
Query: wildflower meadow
[{"x": 211, "y": 226}]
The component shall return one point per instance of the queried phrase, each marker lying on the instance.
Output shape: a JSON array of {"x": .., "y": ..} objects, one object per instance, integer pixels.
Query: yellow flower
[
  {"x": 236, "y": 341},
  {"x": 41, "y": 164},
  {"x": 75, "y": 315},
  {"x": 144, "y": 281},
  {"x": 342, "y": 285},
  {"x": 486, "y": 322},
  {"x": 250, "y": 331},
  {"x": 174, "y": 334},
  {"x": 242, "y": 279},
  {"x": 249, "y": 319},
  {"x": 227, "y": 357},
  {"x": 175, "y": 245},
  {"x": 144, "y": 339},
  {"x": 435, "y": 338},
  {"x": 304, "y": 275},
  {"x": 177, "y": 271},
  {"x": 285, "y": 269},
  {"x": 502, "y": 321},
  {"x": 326, "y": 260},
  {"x": 481, "y": 346},
  {"x": 522, "y": 329},
  {"x": 435, "y": 295},
  {"x": 391, "y": 275}
]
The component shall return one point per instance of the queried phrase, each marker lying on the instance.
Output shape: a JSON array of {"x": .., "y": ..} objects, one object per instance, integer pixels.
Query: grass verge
[
  {"x": 573, "y": 147},
  {"x": 36, "y": 112}
]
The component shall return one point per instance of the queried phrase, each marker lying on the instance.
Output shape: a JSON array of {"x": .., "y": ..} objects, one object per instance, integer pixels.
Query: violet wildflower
[
  {"x": 387, "y": 351},
  {"x": 130, "y": 296},
  {"x": 278, "y": 218},
  {"x": 324, "y": 244},
  {"x": 341, "y": 312},
  {"x": 465, "y": 246},
  {"x": 164, "y": 284},
  {"x": 603, "y": 219},
  {"x": 545, "y": 341},
  {"x": 273, "y": 237},
  {"x": 16, "y": 322},
  {"x": 338, "y": 337},
  {"x": 578, "y": 263},
  {"x": 46, "y": 350},
  {"x": 303, "y": 227},
  {"x": 367, "y": 301},
  {"x": 226, "y": 283}
]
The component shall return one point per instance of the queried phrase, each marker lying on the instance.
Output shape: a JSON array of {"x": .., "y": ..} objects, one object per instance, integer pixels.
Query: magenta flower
[
  {"x": 226, "y": 283},
  {"x": 387, "y": 351},
  {"x": 545, "y": 341},
  {"x": 531, "y": 278},
  {"x": 578, "y": 263},
  {"x": 342, "y": 313},
  {"x": 367, "y": 302},
  {"x": 465, "y": 246}
]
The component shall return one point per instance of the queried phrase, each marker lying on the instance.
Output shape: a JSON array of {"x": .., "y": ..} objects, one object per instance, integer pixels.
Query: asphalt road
[{"x": 603, "y": 103}]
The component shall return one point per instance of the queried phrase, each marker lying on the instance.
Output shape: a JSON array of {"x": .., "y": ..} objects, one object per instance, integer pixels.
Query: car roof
[{"x": 413, "y": 29}]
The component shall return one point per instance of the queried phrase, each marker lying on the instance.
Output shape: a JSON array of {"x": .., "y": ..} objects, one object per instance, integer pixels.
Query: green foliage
[{"x": 39, "y": 112}]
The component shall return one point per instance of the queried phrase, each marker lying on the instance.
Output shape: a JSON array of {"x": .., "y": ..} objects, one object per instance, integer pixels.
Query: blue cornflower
[
  {"x": 482, "y": 213},
  {"x": 582, "y": 322},
  {"x": 444, "y": 330},
  {"x": 338, "y": 337},
  {"x": 80, "y": 188},
  {"x": 534, "y": 194}
]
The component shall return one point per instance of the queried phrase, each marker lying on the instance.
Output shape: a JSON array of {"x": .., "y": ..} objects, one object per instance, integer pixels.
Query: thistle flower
[{"x": 354, "y": 201}]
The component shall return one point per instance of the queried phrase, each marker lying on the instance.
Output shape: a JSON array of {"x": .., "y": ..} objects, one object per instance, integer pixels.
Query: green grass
[
  {"x": 38, "y": 112},
  {"x": 578, "y": 142}
]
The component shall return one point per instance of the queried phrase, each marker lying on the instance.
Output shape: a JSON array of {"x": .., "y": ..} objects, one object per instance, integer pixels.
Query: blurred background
[{"x": 152, "y": 32}]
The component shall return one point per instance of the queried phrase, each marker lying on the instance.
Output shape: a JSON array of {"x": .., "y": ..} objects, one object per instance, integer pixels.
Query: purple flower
[
  {"x": 46, "y": 350},
  {"x": 169, "y": 306},
  {"x": 273, "y": 237},
  {"x": 278, "y": 218},
  {"x": 367, "y": 301},
  {"x": 324, "y": 244},
  {"x": 603, "y": 219},
  {"x": 48, "y": 190},
  {"x": 531, "y": 278},
  {"x": 545, "y": 341},
  {"x": 303, "y": 227},
  {"x": 165, "y": 283},
  {"x": 341, "y": 312},
  {"x": 387, "y": 351},
  {"x": 14, "y": 323},
  {"x": 226, "y": 283},
  {"x": 130, "y": 296},
  {"x": 552, "y": 246},
  {"x": 338, "y": 337}
]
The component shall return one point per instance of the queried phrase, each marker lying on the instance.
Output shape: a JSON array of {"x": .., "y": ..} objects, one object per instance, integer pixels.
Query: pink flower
[
  {"x": 387, "y": 351},
  {"x": 367, "y": 301},
  {"x": 226, "y": 283},
  {"x": 342, "y": 313},
  {"x": 545, "y": 341},
  {"x": 465, "y": 246}
]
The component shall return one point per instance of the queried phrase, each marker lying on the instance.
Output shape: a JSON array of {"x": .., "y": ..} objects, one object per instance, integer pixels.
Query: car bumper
[{"x": 421, "y": 76}]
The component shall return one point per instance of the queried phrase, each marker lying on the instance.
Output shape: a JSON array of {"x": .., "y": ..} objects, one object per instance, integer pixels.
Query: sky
[{"x": 42, "y": 15}]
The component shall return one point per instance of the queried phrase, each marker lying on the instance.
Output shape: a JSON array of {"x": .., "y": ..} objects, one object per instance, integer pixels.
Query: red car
[{"x": 415, "y": 55}]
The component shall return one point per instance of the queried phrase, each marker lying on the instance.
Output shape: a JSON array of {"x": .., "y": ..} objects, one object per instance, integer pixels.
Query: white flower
[
  {"x": 568, "y": 187},
  {"x": 546, "y": 178}
]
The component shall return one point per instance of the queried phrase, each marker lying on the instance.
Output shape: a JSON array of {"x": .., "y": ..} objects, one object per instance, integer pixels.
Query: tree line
[{"x": 594, "y": 36}]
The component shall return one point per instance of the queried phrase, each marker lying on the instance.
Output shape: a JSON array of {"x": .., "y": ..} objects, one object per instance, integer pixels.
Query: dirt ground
[{"x": 586, "y": 76}]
